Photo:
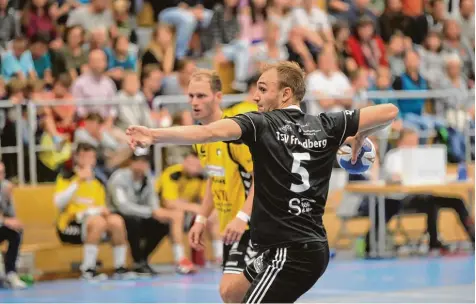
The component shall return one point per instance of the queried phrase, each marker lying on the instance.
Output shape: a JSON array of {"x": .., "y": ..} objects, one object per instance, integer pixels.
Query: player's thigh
[
  {"x": 153, "y": 228},
  {"x": 283, "y": 275},
  {"x": 72, "y": 234},
  {"x": 169, "y": 215}
]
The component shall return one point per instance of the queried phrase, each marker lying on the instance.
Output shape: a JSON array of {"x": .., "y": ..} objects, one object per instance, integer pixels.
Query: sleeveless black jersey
[{"x": 293, "y": 155}]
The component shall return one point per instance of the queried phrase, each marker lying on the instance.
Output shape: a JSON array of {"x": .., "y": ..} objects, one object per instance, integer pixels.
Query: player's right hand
[
  {"x": 139, "y": 137},
  {"x": 195, "y": 236}
]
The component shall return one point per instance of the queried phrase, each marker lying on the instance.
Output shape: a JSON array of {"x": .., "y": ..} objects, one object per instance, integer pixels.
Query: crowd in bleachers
[{"x": 98, "y": 50}]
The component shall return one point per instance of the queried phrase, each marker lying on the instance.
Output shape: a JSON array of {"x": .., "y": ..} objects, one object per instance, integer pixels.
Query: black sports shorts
[{"x": 238, "y": 256}]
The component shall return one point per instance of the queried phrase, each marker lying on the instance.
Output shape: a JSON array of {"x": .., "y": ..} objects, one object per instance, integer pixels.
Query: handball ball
[{"x": 364, "y": 161}]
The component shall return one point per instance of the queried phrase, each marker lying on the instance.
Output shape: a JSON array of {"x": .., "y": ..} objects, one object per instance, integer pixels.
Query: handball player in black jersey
[{"x": 293, "y": 154}]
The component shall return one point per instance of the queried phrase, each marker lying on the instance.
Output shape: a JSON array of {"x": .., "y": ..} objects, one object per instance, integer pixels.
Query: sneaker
[
  {"x": 122, "y": 273},
  {"x": 439, "y": 249},
  {"x": 13, "y": 281},
  {"x": 92, "y": 275},
  {"x": 144, "y": 270},
  {"x": 185, "y": 266}
]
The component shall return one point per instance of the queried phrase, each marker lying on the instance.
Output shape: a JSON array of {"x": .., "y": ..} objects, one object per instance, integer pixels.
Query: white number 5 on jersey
[{"x": 298, "y": 169}]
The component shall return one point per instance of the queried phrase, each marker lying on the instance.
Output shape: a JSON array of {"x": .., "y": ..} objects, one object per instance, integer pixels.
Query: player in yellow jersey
[{"x": 229, "y": 188}]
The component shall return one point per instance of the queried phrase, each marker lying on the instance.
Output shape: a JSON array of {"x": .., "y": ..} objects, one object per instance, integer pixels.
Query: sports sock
[
  {"x": 90, "y": 253},
  {"x": 120, "y": 256},
  {"x": 179, "y": 252},
  {"x": 217, "y": 249}
]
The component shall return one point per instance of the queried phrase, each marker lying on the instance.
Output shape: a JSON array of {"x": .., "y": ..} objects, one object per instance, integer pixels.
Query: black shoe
[
  {"x": 438, "y": 249},
  {"x": 145, "y": 270},
  {"x": 122, "y": 273}
]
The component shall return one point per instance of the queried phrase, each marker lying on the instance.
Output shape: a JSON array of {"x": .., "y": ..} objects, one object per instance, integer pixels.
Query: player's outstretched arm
[
  {"x": 221, "y": 130},
  {"x": 374, "y": 118}
]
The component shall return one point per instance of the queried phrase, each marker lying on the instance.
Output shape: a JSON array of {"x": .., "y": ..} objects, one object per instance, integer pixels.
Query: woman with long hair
[{"x": 161, "y": 49}]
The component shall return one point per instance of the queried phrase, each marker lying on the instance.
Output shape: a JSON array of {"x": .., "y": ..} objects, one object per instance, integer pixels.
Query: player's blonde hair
[
  {"x": 290, "y": 75},
  {"x": 208, "y": 75}
]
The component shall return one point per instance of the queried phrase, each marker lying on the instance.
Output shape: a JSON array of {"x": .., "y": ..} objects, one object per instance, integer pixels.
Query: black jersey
[{"x": 293, "y": 154}]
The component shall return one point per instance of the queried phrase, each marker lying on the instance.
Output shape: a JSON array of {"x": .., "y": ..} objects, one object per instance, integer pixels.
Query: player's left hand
[
  {"x": 139, "y": 137},
  {"x": 356, "y": 143},
  {"x": 233, "y": 231}
]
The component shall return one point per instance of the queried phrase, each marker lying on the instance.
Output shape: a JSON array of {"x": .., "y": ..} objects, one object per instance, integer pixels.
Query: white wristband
[
  {"x": 201, "y": 219},
  {"x": 243, "y": 216}
]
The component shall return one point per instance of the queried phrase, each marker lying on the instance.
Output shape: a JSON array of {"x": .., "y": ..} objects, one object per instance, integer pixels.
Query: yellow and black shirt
[
  {"x": 175, "y": 184},
  {"x": 240, "y": 108},
  {"x": 89, "y": 194}
]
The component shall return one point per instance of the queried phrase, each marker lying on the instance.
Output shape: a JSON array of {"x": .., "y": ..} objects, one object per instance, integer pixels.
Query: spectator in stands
[
  {"x": 111, "y": 152},
  {"x": 466, "y": 20},
  {"x": 133, "y": 109},
  {"x": 437, "y": 16},
  {"x": 97, "y": 86},
  {"x": 222, "y": 41},
  {"x": 98, "y": 39},
  {"x": 393, "y": 20},
  {"x": 360, "y": 83},
  {"x": 247, "y": 105},
  {"x": 341, "y": 34},
  {"x": 93, "y": 15},
  {"x": 38, "y": 16},
  {"x": 75, "y": 56},
  {"x": 120, "y": 59},
  {"x": 175, "y": 154},
  {"x": 9, "y": 26},
  {"x": 253, "y": 17},
  {"x": 327, "y": 84},
  {"x": 41, "y": 57},
  {"x": 313, "y": 21},
  {"x": 125, "y": 24},
  {"x": 453, "y": 41},
  {"x": 186, "y": 18},
  {"x": 431, "y": 54},
  {"x": 132, "y": 195},
  {"x": 151, "y": 79},
  {"x": 338, "y": 8},
  {"x": 80, "y": 196},
  {"x": 280, "y": 12},
  {"x": 177, "y": 83},
  {"x": 396, "y": 52},
  {"x": 366, "y": 47},
  {"x": 11, "y": 230},
  {"x": 393, "y": 166},
  {"x": 18, "y": 62},
  {"x": 161, "y": 49},
  {"x": 269, "y": 50},
  {"x": 358, "y": 9}
]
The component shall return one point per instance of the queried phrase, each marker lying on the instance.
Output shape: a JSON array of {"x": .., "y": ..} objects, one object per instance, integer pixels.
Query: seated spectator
[
  {"x": 18, "y": 62},
  {"x": 366, "y": 47},
  {"x": 327, "y": 83},
  {"x": 341, "y": 34},
  {"x": 360, "y": 83},
  {"x": 180, "y": 187},
  {"x": 137, "y": 113},
  {"x": 269, "y": 50},
  {"x": 38, "y": 17},
  {"x": 313, "y": 22},
  {"x": 253, "y": 17},
  {"x": 280, "y": 12},
  {"x": 247, "y": 105},
  {"x": 177, "y": 83},
  {"x": 75, "y": 56},
  {"x": 437, "y": 15},
  {"x": 99, "y": 39},
  {"x": 91, "y": 16},
  {"x": 96, "y": 85},
  {"x": 41, "y": 58},
  {"x": 125, "y": 24},
  {"x": 393, "y": 166},
  {"x": 175, "y": 154},
  {"x": 186, "y": 18},
  {"x": 466, "y": 20},
  {"x": 453, "y": 42},
  {"x": 161, "y": 49},
  {"x": 9, "y": 27},
  {"x": 120, "y": 59},
  {"x": 11, "y": 230},
  {"x": 396, "y": 53},
  {"x": 393, "y": 20},
  {"x": 359, "y": 9},
  {"x": 132, "y": 196},
  {"x": 87, "y": 224},
  {"x": 431, "y": 54},
  {"x": 221, "y": 41},
  {"x": 111, "y": 153}
]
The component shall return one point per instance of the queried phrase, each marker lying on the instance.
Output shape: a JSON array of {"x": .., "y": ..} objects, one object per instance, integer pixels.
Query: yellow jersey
[
  {"x": 240, "y": 108},
  {"x": 89, "y": 194},
  {"x": 174, "y": 184},
  {"x": 229, "y": 166}
]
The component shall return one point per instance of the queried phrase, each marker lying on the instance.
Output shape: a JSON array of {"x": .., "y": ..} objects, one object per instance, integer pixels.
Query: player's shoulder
[{"x": 174, "y": 172}]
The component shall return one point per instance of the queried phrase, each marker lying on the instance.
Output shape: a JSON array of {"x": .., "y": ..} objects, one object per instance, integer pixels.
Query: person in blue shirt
[
  {"x": 18, "y": 62},
  {"x": 119, "y": 58},
  {"x": 41, "y": 57}
]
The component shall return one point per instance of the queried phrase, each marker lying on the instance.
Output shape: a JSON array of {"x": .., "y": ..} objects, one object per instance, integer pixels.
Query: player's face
[
  {"x": 204, "y": 102},
  {"x": 268, "y": 93}
]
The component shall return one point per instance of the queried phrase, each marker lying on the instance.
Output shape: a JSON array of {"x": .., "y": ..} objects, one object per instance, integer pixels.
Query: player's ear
[
  {"x": 286, "y": 94},
  {"x": 219, "y": 96}
]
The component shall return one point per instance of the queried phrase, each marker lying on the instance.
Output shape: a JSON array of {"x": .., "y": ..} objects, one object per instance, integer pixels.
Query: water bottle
[{"x": 462, "y": 171}]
